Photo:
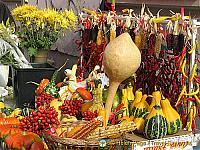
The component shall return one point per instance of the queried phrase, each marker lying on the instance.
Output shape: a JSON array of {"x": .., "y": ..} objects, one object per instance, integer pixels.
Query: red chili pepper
[
  {"x": 59, "y": 84},
  {"x": 62, "y": 134},
  {"x": 41, "y": 86},
  {"x": 184, "y": 118},
  {"x": 119, "y": 107},
  {"x": 193, "y": 125}
]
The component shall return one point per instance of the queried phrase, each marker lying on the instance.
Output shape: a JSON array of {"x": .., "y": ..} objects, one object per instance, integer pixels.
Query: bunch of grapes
[
  {"x": 71, "y": 107},
  {"x": 43, "y": 99},
  {"x": 88, "y": 115},
  {"x": 44, "y": 118}
]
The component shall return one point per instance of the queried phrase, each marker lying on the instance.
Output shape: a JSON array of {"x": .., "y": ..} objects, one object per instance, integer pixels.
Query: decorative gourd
[
  {"x": 155, "y": 124},
  {"x": 174, "y": 123},
  {"x": 56, "y": 103},
  {"x": 121, "y": 60},
  {"x": 139, "y": 121},
  {"x": 155, "y": 100},
  {"x": 22, "y": 140},
  {"x": 138, "y": 97},
  {"x": 140, "y": 107}
]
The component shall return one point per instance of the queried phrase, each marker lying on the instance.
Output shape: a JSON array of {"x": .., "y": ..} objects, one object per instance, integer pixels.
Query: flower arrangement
[{"x": 40, "y": 28}]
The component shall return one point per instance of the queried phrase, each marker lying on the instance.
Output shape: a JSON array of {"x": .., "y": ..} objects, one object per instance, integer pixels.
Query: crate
[{"x": 24, "y": 93}]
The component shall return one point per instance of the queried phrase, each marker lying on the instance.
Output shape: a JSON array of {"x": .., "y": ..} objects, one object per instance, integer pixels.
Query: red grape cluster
[
  {"x": 71, "y": 107},
  {"x": 88, "y": 115},
  {"x": 43, "y": 99},
  {"x": 43, "y": 118}
]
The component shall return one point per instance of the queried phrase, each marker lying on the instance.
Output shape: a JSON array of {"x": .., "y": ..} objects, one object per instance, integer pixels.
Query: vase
[
  {"x": 41, "y": 56},
  {"x": 4, "y": 73}
]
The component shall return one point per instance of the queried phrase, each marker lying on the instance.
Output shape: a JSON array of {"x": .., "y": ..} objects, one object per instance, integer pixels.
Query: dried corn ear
[{"x": 158, "y": 44}]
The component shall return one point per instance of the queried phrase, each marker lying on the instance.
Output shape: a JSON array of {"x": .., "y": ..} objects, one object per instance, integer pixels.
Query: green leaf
[{"x": 32, "y": 51}]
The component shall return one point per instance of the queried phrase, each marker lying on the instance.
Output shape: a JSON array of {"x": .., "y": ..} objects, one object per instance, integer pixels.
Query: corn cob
[
  {"x": 158, "y": 44},
  {"x": 111, "y": 131},
  {"x": 112, "y": 31},
  {"x": 99, "y": 37},
  {"x": 138, "y": 40},
  {"x": 86, "y": 129}
]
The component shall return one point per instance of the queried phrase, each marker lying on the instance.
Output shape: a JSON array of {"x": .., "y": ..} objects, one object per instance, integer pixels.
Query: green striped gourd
[
  {"x": 155, "y": 125},
  {"x": 139, "y": 121},
  {"x": 174, "y": 123},
  {"x": 141, "y": 107}
]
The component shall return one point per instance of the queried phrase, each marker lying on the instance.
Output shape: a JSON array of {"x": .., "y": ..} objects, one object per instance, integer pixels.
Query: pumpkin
[
  {"x": 39, "y": 145},
  {"x": 10, "y": 120},
  {"x": 140, "y": 107},
  {"x": 155, "y": 125},
  {"x": 8, "y": 130},
  {"x": 174, "y": 123},
  {"x": 156, "y": 100},
  {"x": 21, "y": 140},
  {"x": 139, "y": 121},
  {"x": 138, "y": 97}
]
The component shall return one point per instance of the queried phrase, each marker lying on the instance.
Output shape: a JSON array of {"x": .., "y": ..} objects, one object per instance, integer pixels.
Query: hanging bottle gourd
[
  {"x": 141, "y": 107},
  {"x": 121, "y": 60},
  {"x": 155, "y": 125},
  {"x": 173, "y": 118}
]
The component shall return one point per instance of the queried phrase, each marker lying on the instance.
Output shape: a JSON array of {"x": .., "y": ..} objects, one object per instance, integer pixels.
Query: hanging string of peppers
[{"x": 165, "y": 45}]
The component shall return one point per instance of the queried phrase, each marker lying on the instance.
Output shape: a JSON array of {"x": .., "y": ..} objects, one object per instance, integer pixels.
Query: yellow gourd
[
  {"x": 125, "y": 102},
  {"x": 155, "y": 100},
  {"x": 174, "y": 123},
  {"x": 141, "y": 107},
  {"x": 138, "y": 97}
]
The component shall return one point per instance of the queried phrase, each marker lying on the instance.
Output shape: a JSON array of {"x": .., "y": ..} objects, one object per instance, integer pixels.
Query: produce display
[{"x": 134, "y": 78}]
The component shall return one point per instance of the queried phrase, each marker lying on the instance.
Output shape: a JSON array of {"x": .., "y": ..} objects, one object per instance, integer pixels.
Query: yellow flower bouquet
[{"x": 40, "y": 28}]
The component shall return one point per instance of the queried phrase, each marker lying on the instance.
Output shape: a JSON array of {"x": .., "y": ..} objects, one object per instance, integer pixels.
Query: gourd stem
[{"x": 111, "y": 93}]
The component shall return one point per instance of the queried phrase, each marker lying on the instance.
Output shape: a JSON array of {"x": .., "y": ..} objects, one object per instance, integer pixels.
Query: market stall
[{"x": 136, "y": 85}]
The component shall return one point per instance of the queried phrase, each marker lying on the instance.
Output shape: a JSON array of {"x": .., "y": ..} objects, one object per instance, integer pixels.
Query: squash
[
  {"x": 22, "y": 140},
  {"x": 9, "y": 129},
  {"x": 155, "y": 125},
  {"x": 121, "y": 60},
  {"x": 139, "y": 121},
  {"x": 140, "y": 107},
  {"x": 174, "y": 123},
  {"x": 11, "y": 120},
  {"x": 38, "y": 146},
  {"x": 138, "y": 97},
  {"x": 155, "y": 100}
]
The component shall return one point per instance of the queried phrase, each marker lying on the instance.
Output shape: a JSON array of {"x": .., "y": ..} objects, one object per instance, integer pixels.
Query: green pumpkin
[
  {"x": 141, "y": 107},
  {"x": 174, "y": 123},
  {"x": 155, "y": 125}
]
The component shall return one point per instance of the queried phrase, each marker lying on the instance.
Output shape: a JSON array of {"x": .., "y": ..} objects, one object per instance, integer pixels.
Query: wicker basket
[{"x": 55, "y": 142}]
